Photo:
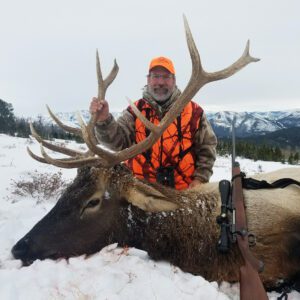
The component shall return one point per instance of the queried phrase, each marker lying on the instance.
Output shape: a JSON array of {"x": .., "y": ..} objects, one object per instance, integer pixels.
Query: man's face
[{"x": 161, "y": 84}]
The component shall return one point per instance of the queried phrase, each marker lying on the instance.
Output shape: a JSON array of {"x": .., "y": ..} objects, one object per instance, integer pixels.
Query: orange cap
[{"x": 162, "y": 62}]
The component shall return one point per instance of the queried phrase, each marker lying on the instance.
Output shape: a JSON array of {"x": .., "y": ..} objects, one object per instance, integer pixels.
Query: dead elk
[{"x": 106, "y": 204}]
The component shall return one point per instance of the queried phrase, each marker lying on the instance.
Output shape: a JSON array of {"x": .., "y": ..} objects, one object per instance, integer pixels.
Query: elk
[{"x": 106, "y": 204}]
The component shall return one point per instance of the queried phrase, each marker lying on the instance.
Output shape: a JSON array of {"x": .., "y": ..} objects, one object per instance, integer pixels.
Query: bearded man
[{"x": 184, "y": 155}]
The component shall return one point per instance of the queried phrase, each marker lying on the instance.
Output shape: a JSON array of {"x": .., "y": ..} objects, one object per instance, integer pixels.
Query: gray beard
[{"x": 160, "y": 98}]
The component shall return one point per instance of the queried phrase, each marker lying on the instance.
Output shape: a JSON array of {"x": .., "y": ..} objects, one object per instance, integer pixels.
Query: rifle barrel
[{"x": 233, "y": 139}]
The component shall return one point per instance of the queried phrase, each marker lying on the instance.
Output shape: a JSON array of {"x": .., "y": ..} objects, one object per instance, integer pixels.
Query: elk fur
[{"x": 185, "y": 236}]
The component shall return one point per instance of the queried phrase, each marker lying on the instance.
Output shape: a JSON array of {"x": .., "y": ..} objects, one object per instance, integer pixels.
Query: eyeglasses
[{"x": 157, "y": 76}]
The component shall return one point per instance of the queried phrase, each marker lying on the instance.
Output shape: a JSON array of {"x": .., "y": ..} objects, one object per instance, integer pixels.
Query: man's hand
[
  {"x": 100, "y": 108},
  {"x": 194, "y": 183}
]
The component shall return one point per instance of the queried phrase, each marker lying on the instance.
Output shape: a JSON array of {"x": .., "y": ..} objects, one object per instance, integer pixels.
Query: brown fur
[{"x": 186, "y": 236}]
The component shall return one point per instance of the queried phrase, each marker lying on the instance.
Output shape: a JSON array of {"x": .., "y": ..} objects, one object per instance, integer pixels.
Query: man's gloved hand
[{"x": 100, "y": 108}]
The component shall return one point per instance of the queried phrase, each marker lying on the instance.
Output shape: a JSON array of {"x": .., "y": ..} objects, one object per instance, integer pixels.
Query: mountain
[
  {"x": 283, "y": 138},
  {"x": 247, "y": 123},
  {"x": 253, "y": 123},
  {"x": 70, "y": 118}
]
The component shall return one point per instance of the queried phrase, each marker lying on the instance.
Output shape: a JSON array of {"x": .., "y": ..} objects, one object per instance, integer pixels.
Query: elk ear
[{"x": 148, "y": 198}]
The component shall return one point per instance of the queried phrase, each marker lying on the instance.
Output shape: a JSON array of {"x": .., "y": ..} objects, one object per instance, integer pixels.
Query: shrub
[{"x": 40, "y": 186}]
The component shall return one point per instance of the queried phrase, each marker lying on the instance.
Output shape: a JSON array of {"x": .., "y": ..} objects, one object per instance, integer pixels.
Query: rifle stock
[
  {"x": 241, "y": 226},
  {"x": 251, "y": 289}
]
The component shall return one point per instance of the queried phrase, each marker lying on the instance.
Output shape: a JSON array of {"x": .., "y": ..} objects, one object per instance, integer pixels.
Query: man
[{"x": 184, "y": 155}]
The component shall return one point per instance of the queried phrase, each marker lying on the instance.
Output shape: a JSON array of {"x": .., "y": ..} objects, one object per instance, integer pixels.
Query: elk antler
[
  {"x": 198, "y": 79},
  {"x": 102, "y": 87},
  {"x": 87, "y": 132}
]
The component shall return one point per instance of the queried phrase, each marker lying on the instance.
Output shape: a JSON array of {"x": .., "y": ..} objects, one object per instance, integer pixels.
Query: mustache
[
  {"x": 160, "y": 92},
  {"x": 161, "y": 88}
]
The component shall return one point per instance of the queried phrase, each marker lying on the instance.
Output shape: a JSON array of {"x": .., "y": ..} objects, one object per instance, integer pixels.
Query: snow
[{"x": 113, "y": 273}]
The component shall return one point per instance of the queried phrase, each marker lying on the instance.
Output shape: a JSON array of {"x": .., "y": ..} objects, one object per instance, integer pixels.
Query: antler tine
[
  {"x": 53, "y": 147},
  {"x": 197, "y": 80},
  {"x": 38, "y": 158},
  {"x": 194, "y": 53},
  {"x": 104, "y": 84},
  {"x": 69, "y": 163},
  {"x": 244, "y": 60},
  {"x": 43, "y": 160},
  {"x": 62, "y": 125},
  {"x": 104, "y": 154},
  {"x": 78, "y": 159},
  {"x": 153, "y": 128},
  {"x": 102, "y": 87}
]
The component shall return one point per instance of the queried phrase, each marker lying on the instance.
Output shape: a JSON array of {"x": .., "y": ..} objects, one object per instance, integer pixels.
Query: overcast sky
[{"x": 47, "y": 52}]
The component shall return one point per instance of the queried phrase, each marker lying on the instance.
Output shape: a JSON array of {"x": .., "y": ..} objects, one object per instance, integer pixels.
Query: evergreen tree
[
  {"x": 291, "y": 159},
  {"x": 22, "y": 127},
  {"x": 278, "y": 156},
  {"x": 7, "y": 118},
  {"x": 296, "y": 158},
  {"x": 247, "y": 149}
]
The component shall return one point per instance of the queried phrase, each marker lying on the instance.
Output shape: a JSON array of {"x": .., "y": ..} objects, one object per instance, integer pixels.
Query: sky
[{"x": 47, "y": 53}]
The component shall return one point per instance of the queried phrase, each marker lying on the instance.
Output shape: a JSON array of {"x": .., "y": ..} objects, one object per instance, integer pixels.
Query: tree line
[
  {"x": 12, "y": 125},
  {"x": 253, "y": 151},
  {"x": 19, "y": 127}
]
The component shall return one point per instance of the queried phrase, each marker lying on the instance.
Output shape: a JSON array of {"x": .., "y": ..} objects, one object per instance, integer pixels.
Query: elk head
[{"x": 90, "y": 212}]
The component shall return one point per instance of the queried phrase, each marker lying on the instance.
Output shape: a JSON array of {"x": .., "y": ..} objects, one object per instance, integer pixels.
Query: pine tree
[
  {"x": 296, "y": 158},
  {"x": 22, "y": 127},
  {"x": 291, "y": 159},
  {"x": 278, "y": 156},
  {"x": 7, "y": 118}
]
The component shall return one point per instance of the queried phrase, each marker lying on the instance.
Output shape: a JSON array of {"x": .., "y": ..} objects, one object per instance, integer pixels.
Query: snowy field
[{"x": 110, "y": 274}]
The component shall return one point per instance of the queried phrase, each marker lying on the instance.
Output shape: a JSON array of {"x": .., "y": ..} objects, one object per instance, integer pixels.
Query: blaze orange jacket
[{"x": 171, "y": 160}]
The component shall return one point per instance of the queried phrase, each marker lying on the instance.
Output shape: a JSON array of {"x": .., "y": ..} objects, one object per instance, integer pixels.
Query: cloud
[{"x": 47, "y": 52}]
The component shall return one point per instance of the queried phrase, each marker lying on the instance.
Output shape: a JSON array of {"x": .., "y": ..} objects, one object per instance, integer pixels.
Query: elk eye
[
  {"x": 92, "y": 206},
  {"x": 93, "y": 203}
]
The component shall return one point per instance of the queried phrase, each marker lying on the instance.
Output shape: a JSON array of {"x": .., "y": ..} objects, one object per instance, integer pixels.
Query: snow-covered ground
[{"x": 113, "y": 273}]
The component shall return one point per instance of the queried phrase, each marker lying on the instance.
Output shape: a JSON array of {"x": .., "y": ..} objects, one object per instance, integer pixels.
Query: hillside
[{"x": 283, "y": 138}]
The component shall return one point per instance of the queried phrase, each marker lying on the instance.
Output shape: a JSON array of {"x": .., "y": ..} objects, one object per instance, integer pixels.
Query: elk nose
[{"x": 21, "y": 248}]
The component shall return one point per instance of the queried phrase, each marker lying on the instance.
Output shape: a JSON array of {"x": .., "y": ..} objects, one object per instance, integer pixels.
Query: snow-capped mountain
[
  {"x": 70, "y": 118},
  {"x": 247, "y": 123},
  {"x": 253, "y": 123}
]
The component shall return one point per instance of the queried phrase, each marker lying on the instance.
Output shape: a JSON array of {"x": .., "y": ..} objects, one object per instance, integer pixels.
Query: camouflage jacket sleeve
[
  {"x": 118, "y": 134},
  {"x": 205, "y": 142}
]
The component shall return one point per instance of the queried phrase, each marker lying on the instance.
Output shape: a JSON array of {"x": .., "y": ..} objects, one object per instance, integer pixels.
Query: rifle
[{"x": 251, "y": 287}]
